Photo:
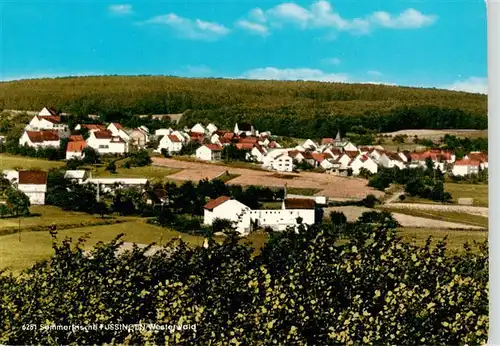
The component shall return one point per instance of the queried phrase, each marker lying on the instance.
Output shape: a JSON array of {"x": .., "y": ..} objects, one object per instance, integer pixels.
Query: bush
[{"x": 111, "y": 167}]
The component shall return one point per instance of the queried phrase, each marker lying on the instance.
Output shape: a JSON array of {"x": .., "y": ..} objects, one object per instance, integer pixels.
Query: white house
[
  {"x": 91, "y": 127},
  {"x": 244, "y": 128},
  {"x": 465, "y": 167},
  {"x": 198, "y": 128},
  {"x": 32, "y": 183},
  {"x": 257, "y": 153},
  {"x": 74, "y": 150},
  {"x": 171, "y": 143},
  {"x": 363, "y": 161},
  {"x": 40, "y": 139},
  {"x": 244, "y": 219},
  {"x": 105, "y": 143},
  {"x": 78, "y": 176},
  {"x": 47, "y": 111},
  {"x": 52, "y": 122},
  {"x": 119, "y": 131},
  {"x": 309, "y": 144},
  {"x": 224, "y": 207},
  {"x": 211, "y": 128},
  {"x": 282, "y": 163},
  {"x": 349, "y": 147},
  {"x": 163, "y": 132},
  {"x": 478, "y": 156},
  {"x": 209, "y": 152}
]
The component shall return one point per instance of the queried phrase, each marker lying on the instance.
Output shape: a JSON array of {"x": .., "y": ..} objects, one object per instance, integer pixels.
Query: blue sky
[{"x": 435, "y": 43}]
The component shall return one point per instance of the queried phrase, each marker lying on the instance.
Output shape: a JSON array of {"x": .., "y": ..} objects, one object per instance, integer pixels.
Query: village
[{"x": 336, "y": 156}]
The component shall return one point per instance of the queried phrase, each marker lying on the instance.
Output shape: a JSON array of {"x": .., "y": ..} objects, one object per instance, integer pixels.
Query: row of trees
[
  {"x": 13, "y": 202},
  {"x": 425, "y": 182},
  {"x": 304, "y": 287}
]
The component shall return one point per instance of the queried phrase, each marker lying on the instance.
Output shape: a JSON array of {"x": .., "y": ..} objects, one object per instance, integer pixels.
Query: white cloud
[
  {"x": 120, "y": 9},
  {"x": 191, "y": 29},
  {"x": 256, "y": 28},
  {"x": 471, "y": 84},
  {"x": 374, "y": 73},
  {"x": 321, "y": 14},
  {"x": 409, "y": 19},
  {"x": 332, "y": 61}
]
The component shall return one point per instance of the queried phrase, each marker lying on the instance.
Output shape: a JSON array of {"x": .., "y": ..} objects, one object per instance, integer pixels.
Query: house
[
  {"x": 139, "y": 137},
  {"x": 51, "y": 122},
  {"x": 119, "y": 131},
  {"x": 211, "y": 128},
  {"x": 74, "y": 150},
  {"x": 171, "y": 143},
  {"x": 32, "y": 183},
  {"x": 478, "y": 156},
  {"x": 209, "y": 152},
  {"x": 198, "y": 128},
  {"x": 363, "y": 161},
  {"x": 282, "y": 163},
  {"x": 163, "y": 132},
  {"x": 104, "y": 142},
  {"x": 394, "y": 160},
  {"x": 48, "y": 111},
  {"x": 309, "y": 144},
  {"x": 224, "y": 207},
  {"x": 348, "y": 146},
  {"x": 346, "y": 158},
  {"x": 245, "y": 219},
  {"x": 40, "y": 139},
  {"x": 257, "y": 154},
  {"x": 465, "y": 167},
  {"x": 77, "y": 176},
  {"x": 90, "y": 127},
  {"x": 327, "y": 141},
  {"x": 244, "y": 128},
  {"x": 155, "y": 197}
]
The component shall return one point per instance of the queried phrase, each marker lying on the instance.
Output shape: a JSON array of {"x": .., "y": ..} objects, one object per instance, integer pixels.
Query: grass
[
  {"x": 234, "y": 164},
  {"x": 49, "y": 215},
  {"x": 12, "y": 162},
  {"x": 305, "y": 191},
  {"x": 456, "y": 239},
  {"x": 449, "y": 216},
  {"x": 479, "y": 192},
  {"x": 156, "y": 173},
  {"x": 271, "y": 205},
  {"x": 227, "y": 177}
]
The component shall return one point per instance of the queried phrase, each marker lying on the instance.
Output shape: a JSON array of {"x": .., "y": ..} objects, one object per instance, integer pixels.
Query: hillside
[{"x": 286, "y": 108}]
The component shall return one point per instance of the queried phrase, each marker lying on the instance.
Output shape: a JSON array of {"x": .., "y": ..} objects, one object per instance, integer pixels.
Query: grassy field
[
  {"x": 449, "y": 216},
  {"x": 302, "y": 191},
  {"x": 456, "y": 239},
  {"x": 49, "y": 215},
  {"x": 477, "y": 191},
  {"x": 151, "y": 172},
  {"x": 11, "y": 162}
]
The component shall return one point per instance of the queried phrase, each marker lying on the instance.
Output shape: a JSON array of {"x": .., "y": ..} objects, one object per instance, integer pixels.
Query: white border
[{"x": 493, "y": 13}]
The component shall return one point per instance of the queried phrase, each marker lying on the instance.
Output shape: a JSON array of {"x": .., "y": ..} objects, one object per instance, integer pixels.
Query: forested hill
[{"x": 304, "y": 109}]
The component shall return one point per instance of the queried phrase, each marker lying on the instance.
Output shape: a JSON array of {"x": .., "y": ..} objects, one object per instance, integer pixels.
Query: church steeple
[{"x": 337, "y": 138}]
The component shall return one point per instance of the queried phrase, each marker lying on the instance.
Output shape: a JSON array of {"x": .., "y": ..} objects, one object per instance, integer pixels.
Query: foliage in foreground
[{"x": 302, "y": 289}]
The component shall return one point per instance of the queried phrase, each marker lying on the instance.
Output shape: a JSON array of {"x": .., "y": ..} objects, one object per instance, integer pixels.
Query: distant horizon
[{"x": 438, "y": 45}]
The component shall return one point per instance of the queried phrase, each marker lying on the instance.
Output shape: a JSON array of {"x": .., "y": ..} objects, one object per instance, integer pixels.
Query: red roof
[
  {"x": 54, "y": 119},
  {"x": 327, "y": 140},
  {"x": 32, "y": 177},
  {"x": 272, "y": 145},
  {"x": 478, "y": 156},
  {"x": 42, "y": 136},
  {"x": 351, "y": 153},
  {"x": 103, "y": 134},
  {"x": 228, "y": 135},
  {"x": 299, "y": 203},
  {"x": 76, "y": 146},
  {"x": 213, "y": 147},
  {"x": 213, "y": 203},
  {"x": 467, "y": 163},
  {"x": 319, "y": 157},
  {"x": 249, "y": 140},
  {"x": 93, "y": 127},
  {"x": 76, "y": 138},
  {"x": 174, "y": 138},
  {"x": 244, "y": 146},
  {"x": 118, "y": 126}
]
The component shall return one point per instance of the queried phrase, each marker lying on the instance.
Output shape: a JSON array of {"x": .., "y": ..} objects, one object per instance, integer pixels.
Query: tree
[
  {"x": 221, "y": 225},
  {"x": 140, "y": 159},
  {"x": 18, "y": 202},
  {"x": 338, "y": 218},
  {"x": 101, "y": 209},
  {"x": 111, "y": 167},
  {"x": 91, "y": 156}
]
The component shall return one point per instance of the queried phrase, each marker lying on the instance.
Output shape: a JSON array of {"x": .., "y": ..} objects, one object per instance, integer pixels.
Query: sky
[{"x": 438, "y": 43}]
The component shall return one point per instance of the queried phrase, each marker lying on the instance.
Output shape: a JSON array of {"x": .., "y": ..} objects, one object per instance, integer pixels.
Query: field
[
  {"x": 409, "y": 220},
  {"x": 435, "y": 135},
  {"x": 477, "y": 191},
  {"x": 455, "y": 238},
  {"x": 328, "y": 185},
  {"x": 11, "y": 162},
  {"x": 49, "y": 215},
  {"x": 151, "y": 172}
]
